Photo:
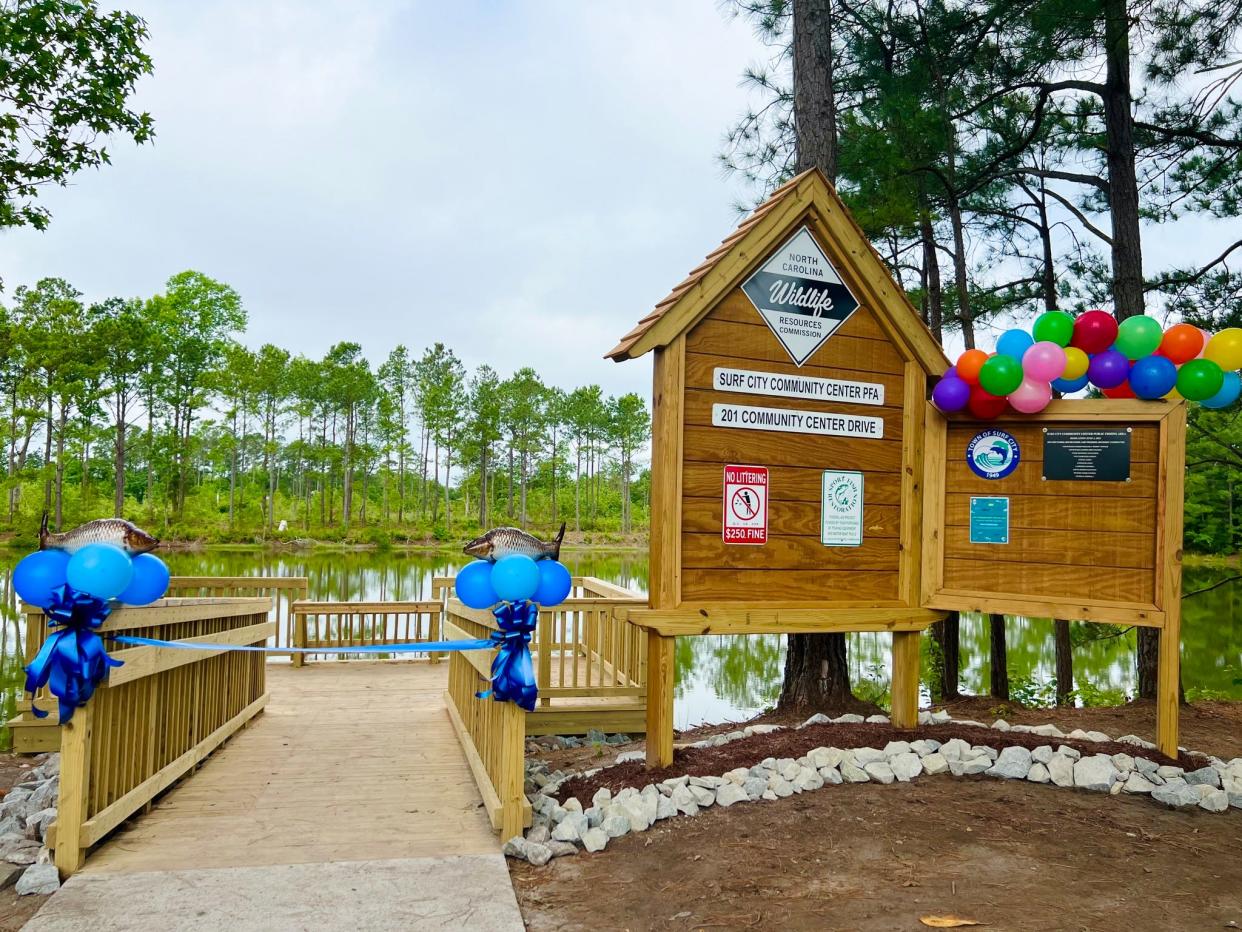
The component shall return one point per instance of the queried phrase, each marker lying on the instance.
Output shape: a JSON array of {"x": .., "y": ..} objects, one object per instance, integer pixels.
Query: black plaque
[{"x": 1087, "y": 455}]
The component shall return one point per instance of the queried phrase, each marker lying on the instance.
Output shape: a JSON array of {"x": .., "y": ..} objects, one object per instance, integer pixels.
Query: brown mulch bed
[
  {"x": 746, "y": 752},
  {"x": 872, "y": 858}
]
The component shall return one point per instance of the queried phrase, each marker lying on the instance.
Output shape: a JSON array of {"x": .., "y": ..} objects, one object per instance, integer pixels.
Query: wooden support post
[
  {"x": 75, "y": 777},
  {"x": 1169, "y": 553},
  {"x": 1168, "y": 679},
  {"x": 512, "y": 770},
  {"x": 661, "y": 669},
  {"x": 299, "y": 637},
  {"x": 905, "y": 704}
]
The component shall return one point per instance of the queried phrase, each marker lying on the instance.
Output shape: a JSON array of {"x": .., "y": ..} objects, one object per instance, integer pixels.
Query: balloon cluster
[
  {"x": 513, "y": 578},
  {"x": 1133, "y": 359},
  {"x": 103, "y": 571}
]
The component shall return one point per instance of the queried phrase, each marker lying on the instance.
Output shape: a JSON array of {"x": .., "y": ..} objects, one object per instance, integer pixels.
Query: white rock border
[{"x": 559, "y": 828}]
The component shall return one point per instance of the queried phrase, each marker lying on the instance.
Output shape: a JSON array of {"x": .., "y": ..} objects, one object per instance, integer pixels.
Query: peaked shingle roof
[{"x": 697, "y": 274}]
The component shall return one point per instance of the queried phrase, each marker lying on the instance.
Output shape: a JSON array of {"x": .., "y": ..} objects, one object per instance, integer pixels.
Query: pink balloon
[
  {"x": 1031, "y": 396},
  {"x": 1044, "y": 362},
  {"x": 1206, "y": 339}
]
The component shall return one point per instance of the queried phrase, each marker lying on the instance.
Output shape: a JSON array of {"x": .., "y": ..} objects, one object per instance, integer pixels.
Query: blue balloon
[
  {"x": 101, "y": 570},
  {"x": 39, "y": 574},
  {"x": 515, "y": 577},
  {"x": 1153, "y": 377},
  {"x": 1228, "y": 394},
  {"x": 474, "y": 585},
  {"x": 555, "y": 583},
  {"x": 1069, "y": 386},
  {"x": 1014, "y": 343},
  {"x": 150, "y": 581}
]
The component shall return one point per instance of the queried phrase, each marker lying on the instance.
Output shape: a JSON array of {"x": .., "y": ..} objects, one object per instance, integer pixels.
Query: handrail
[
  {"x": 364, "y": 624},
  {"x": 157, "y": 716}
]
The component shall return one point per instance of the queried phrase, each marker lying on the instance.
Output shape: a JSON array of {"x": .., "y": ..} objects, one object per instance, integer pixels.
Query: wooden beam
[
  {"x": 147, "y": 661},
  {"x": 75, "y": 775},
  {"x": 910, "y": 560},
  {"x": 661, "y": 671},
  {"x": 1093, "y": 610},
  {"x": 1094, "y": 409},
  {"x": 1169, "y": 589},
  {"x": 736, "y": 620},
  {"x": 935, "y": 439},
  {"x": 905, "y": 691}
]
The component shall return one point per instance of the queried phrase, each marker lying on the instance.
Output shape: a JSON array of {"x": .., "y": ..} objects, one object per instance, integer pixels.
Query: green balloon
[
  {"x": 1001, "y": 375},
  {"x": 1199, "y": 379},
  {"x": 1138, "y": 337},
  {"x": 1053, "y": 327}
]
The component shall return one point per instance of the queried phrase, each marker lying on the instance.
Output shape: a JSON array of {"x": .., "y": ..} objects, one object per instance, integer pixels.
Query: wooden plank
[
  {"x": 666, "y": 466},
  {"x": 1144, "y": 437},
  {"x": 1051, "y": 581},
  {"x": 826, "y": 586},
  {"x": 773, "y": 448},
  {"x": 791, "y": 518},
  {"x": 790, "y": 483},
  {"x": 1064, "y": 512},
  {"x": 491, "y": 801},
  {"x": 1028, "y": 480},
  {"x": 363, "y": 608},
  {"x": 178, "y": 611},
  {"x": 1070, "y": 548},
  {"x": 72, "y": 809},
  {"x": 147, "y": 661},
  {"x": 661, "y": 673},
  {"x": 910, "y": 558},
  {"x": 786, "y": 552},
  {"x": 757, "y": 342},
  {"x": 480, "y": 659},
  {"x": 106, "y": 820},
  {"x": 1126, "y": 411},
  {"x": 745, "y": 620},
  {"x": 239, "y": 582},
  {"x": 1099, "y": 610},
  {"x": 932, "y": 555},
  {"x": 1169, "y": 548},
  {"x": 905, "y": 692}
]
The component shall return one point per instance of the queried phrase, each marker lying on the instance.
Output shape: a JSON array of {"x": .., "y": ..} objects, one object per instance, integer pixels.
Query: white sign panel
[
  {"x": 745, "y": 505},
  {"x": 750, "y": 382},
  {"x": 822, "y": 423},
  {"x": 800, "y": 296},
  {"x": 841, "y": 517}
]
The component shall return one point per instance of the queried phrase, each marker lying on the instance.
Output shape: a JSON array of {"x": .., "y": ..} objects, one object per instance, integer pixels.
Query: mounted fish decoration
[
  {"x": 500, "y": 542},
  {"x": 116, "y": 531}
]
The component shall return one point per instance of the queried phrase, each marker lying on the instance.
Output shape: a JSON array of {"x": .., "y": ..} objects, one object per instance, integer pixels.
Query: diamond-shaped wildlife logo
[{"x": 800, "y": 296}]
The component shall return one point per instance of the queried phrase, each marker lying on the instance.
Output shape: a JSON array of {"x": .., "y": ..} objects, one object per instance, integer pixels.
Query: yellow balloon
[
  {"x": 1173, "y": 394},
  {"x": 1076, "y": 363},
  {"x": 1225, "y": 349}
]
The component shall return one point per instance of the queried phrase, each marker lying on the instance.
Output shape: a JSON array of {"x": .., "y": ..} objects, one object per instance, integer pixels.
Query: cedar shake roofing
[
  {"x": 789, "y": 205},
  {"x": 699, "y": 272}
]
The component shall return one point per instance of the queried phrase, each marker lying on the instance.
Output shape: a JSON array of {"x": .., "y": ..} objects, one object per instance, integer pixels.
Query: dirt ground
[
  {"x": 864, "y": 857},
  {"x": 14, "y": 909}
]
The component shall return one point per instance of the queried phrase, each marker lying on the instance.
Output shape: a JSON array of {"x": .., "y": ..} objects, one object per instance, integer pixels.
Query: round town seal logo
[{"x": 993, "y": 454}]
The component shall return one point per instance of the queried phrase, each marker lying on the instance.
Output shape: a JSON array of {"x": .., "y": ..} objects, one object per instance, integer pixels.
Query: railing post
[
  {"x": 512, "y": 769},
  {"x": 544, "y": 648},
  {"x": 75, "y": 775},
  {"x": 299, "y": 635},
  {"x": 435, "y": 627}
]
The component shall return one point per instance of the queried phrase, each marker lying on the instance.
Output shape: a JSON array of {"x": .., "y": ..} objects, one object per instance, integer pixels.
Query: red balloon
[
  {"x": 1094, "y": 331},
  {"x": 1119, "y": 391},
  {"x": 984, "y": 405}
]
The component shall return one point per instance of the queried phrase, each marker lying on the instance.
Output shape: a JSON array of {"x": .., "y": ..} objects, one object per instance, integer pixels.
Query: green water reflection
[{"x": 724, "y": 678}]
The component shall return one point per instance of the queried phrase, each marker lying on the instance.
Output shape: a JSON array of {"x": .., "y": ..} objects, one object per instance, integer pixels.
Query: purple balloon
[
  {"x": 951, "y": 393},
  {"x": 1108, "y": 369}
]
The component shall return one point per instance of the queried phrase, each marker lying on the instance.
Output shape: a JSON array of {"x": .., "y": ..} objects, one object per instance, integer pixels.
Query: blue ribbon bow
[
  {"x": 72, "y": 661},
  {"x": 513, "y": 674}
]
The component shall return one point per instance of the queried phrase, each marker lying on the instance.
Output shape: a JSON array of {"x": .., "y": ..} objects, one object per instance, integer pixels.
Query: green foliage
[{"x": 67, "y": 72}]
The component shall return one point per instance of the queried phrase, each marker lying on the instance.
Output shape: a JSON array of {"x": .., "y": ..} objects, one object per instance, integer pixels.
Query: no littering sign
[{"x": 745, "y": 505}]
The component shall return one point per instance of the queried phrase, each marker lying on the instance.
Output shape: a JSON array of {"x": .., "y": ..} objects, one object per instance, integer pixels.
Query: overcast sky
[{"x": 522, "y": 181}]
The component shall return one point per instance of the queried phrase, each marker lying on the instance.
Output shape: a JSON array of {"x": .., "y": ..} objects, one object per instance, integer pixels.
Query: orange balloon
[
  {"x": 1181, "y": 343},
  {"x": 969, "y": 364}
]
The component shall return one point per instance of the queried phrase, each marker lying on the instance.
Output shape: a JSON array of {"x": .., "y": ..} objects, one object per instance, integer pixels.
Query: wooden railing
[
  {"x": 492, "y": 734},
  {"x": 357, "y": 624},
  {"x": 157, "y": 716},
  {"x": 282, "y": 590}
]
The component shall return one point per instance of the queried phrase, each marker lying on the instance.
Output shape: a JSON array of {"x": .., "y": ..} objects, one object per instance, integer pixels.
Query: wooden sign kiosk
[{"x": 802, "y": 483}]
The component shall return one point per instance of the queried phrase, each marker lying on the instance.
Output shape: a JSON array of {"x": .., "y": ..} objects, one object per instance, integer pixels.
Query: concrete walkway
[{"x": 347, "y": 805}]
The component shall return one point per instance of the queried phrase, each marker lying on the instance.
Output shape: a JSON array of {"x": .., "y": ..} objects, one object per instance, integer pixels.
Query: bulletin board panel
[{"x": 1080, "y": 528}]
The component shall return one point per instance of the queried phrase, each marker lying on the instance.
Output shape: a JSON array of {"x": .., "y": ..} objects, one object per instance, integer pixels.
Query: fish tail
[
  {"x": 554, "y": 550},
  {"x": 43, "y": 533}
]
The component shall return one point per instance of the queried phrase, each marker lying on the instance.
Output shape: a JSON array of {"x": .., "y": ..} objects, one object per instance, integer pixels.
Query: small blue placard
[
  {"x": 993, "y": 454},
  {"x": 989, "y": 520}
]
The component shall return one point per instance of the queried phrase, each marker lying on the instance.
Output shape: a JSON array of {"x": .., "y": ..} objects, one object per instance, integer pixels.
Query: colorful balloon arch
[{"x": 1062, "y": 353}]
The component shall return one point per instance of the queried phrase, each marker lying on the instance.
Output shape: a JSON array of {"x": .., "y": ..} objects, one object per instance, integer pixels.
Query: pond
[{"x": 730, "y": 678}]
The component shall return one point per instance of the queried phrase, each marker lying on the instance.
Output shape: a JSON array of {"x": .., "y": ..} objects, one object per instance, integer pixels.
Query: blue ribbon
[
  {"x": 513, "y": 674},
  {"x": 72, "y": 661}
]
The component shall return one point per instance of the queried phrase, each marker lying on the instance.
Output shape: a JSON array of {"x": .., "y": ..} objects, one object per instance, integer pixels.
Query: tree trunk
[
  {"x": 60, "y": 465},
  {"x": 931, "y": 275},
  {"x": 47, "y": 459},
  {"x": 1065, "y": 662},
  {"x": 118, "y": 464},
  {"x": 816, "y": 667},
  {"x": 815, "y": 112},
  {"x": 1000, "y": 662},
  {"x": 947, "y": 635},
  {"x": 1123, "y": 196}
]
